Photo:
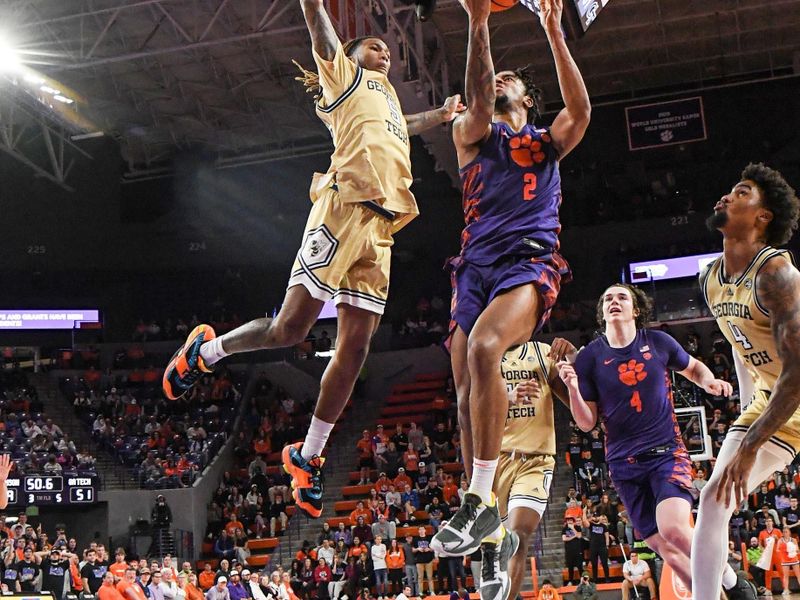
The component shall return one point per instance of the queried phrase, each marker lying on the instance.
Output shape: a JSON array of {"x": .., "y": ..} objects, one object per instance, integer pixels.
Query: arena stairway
[
  {"x": 341, "y": 460},
  {"x": 58, "y": 408}
]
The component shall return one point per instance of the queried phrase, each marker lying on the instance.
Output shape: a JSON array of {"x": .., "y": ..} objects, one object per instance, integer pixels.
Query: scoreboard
[{"x": 43, "y": 490}]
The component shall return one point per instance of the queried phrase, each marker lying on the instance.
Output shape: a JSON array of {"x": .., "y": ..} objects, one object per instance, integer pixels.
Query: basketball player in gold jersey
[
  {"x": 525, "y": 466},
  {"x": 753, "y": 291},
  {"x": 359, "y": 204}
]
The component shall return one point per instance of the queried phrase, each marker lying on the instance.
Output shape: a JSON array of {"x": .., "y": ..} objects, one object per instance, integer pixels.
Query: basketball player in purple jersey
[
  {"x": 623, "y": 377},
  {"x": 507, "y": 277}
]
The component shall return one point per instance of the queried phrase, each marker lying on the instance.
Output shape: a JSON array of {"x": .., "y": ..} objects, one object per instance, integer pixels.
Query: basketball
[{"x": 500, "y": 5}]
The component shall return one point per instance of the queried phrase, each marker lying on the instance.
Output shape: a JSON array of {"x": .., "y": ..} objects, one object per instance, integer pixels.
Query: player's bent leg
[
  {"x": 674, "y": 536},
  {"x": 458, "y": 362},
  {"x": 710, "y": 540},
  {"x": 203, "y": 349},
  {"x": 523, "y": 522},
  {"x": 302, "y": 460}
]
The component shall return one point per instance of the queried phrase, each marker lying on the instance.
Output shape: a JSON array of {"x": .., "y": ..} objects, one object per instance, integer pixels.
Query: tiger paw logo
[
  {"x": 525, "y": 151},
  {"x": 631, "y": 372}
]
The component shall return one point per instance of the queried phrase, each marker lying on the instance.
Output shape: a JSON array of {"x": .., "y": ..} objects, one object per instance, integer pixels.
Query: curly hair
[
  {"x": 525, "y": 75},
  {"x": 779, "y": 198},
  {"x": 642, "y": 304},
  {"x": 311, "y": 80}
]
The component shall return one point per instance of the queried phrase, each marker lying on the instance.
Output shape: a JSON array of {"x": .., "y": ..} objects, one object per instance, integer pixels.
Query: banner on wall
[{"x": 665, "y": 123}]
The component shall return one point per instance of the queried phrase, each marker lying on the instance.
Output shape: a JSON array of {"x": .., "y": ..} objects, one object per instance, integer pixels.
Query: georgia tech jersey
[
  {"x": 742, "y": 319},
  {"x": 530, "y": 426}
]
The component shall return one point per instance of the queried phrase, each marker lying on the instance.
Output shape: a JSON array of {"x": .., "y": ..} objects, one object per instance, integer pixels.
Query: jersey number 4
[
  {"x": 636, "y": 401},
  {"x": 739, "y": 336}
]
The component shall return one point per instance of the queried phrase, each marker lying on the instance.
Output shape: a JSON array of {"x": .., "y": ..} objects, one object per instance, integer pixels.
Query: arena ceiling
[{"x": 163, "y": 76}]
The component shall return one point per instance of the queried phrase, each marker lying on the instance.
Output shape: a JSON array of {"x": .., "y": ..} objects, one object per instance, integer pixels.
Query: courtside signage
[
  {"x": 67, "y": 318},
  {"x": 669, "y": 268}
]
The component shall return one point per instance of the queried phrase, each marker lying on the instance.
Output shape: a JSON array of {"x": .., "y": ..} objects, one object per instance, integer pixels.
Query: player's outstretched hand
[
  {"x": 550, "y": 14},
  {"x": 719, "y": 387},
  {"x": 567, "y": 373},
  {"x": 526, "y": 389},
  {"x": 477, "y": 9},
  {"x": 451, "y": 107},
  {"x": 735, "y": 475},
  {"x": 562, "y": 349},
  {"x": 5, "y": 466}
]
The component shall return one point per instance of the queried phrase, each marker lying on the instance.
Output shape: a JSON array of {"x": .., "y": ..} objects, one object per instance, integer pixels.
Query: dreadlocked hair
[
  {"x": 310, "y": 79},
  {"x": 779, "y": 198},
  {"x": 525, "y": 75}
]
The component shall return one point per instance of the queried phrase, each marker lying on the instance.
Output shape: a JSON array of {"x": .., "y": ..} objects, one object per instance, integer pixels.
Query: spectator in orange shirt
[
  {"x": 411, "y": 461},
  {"x": 548, "y": 592},
  {"x": 262, "y": 444},
  {"x": 402, "y": 480},
  {"x": 108, "y": 591},
  {"x": 767, "y": 532},
  {"x": 364, "y": 446},
  {"x": 382, "y": 484},
  {"x": 128, "y": 587},
  {"x": 574, "y": 511},
  {"x": 789, "y": 556},
  {"x": 450, "y": 489},
  {"x": 357, "y": 549},
  {"x": 206, "y": 578},
  {"x": 119, "y": 566},
  {"x": 360, "y": 511},
  {"x": 232, "y": 525}
]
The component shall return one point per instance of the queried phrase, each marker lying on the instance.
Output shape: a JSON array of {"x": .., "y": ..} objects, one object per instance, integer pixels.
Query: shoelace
[
  {"x": 487, "y": 561},
  {"x": 466, "y": 513},
  {"x": 317, "y": 478}
]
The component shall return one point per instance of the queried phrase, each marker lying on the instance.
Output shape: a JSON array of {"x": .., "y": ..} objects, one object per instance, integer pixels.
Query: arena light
[
  {"x": 9, "y": 58},
  {"x": 63, "y": 99}
]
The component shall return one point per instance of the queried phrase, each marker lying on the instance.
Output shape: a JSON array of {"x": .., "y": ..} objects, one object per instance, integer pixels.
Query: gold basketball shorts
[
  {"x": 523, "y": 481},
  {"x": 345, "y": 255},
  {"x": 784, "y": 441}
]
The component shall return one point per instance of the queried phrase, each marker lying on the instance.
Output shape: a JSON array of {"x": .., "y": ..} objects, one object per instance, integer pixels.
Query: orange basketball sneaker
[
  {"x": 187, "y": 366},
  {"x": 306, "y": 479}
]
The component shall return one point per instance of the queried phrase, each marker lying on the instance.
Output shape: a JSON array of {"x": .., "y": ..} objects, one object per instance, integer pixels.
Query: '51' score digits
[{"x": 43, "y": 490}]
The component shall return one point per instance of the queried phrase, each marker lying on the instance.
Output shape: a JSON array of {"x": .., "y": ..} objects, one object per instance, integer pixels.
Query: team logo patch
[
  {"x": 631, "y": 372},
  {"x": 729, "y": 292},
  {"x": 647, "y": 356},
  {"x": 319, "y": 247},
  {"x": 748, "y": 283}
]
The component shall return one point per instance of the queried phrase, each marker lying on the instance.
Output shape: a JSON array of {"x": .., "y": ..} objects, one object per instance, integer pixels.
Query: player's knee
[
  {"x": 485, "y": 349},
  {"x": 286, "y": 332}
]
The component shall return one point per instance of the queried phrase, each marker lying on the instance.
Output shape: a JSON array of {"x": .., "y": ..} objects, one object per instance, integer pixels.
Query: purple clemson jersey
[
  {"x": 511, "y": 196},
  {"x": 632, "y": 390}
]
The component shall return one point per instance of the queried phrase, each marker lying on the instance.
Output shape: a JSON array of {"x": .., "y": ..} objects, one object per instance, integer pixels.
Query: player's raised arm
[
  {"x": 323, "y": 36},
  {"x": 571, "y": 123},
  {"x": 778, "y": 291},
  {"x": 473, "y": 125}
]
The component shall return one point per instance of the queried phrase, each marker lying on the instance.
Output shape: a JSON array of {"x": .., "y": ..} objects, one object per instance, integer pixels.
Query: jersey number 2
[
  {"x": 739, "y": 336},
  {"x": 636, "y": 401},
  {"x": 529, "y": 187}
]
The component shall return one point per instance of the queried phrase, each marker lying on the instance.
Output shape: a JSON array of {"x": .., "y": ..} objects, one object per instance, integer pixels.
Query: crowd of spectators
[
  {"x": 165, "y": 443},
  {"x": 36, "y": 444}
]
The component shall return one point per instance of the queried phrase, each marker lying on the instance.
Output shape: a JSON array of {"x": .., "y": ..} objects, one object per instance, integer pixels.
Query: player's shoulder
[{"x": 777, "y": 275}]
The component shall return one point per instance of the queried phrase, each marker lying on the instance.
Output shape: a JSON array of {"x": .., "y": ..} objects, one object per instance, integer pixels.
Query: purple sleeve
[
  {"x": 677, "y": 357},
  {"x": 584, "y": 369}
]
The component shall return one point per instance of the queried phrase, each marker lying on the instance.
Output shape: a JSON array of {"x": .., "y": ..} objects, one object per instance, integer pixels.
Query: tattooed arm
[
  {"x": 419, "y": 122},
  {"x": 778, "y": 290},
  {"x": 473, "y": 126},
  {"x": 323, "y": 36},
  {"x": 571, "y": 123}
]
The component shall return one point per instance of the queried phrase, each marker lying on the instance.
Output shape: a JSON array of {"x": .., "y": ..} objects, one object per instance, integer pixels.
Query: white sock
[
  {"x": 212, "y": 351},
  {"x": 483, "y": 478},
  {"x": 728, "y": 577},
  {"x": 316, "y": 438}
]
